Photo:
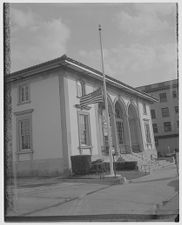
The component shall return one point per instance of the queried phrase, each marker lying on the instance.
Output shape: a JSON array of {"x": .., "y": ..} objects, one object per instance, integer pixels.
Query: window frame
[
  {"x": 176, "y": 109},
  {"x": 174, "y": 94},
  {"x": 165, "y": 113},
  {"x": 144, "y": 108},
  {"x": 153, "y": 115},
  {"x": 80, "y": 84},
  {"x": 20, "y": 88},
  {"x": 167, "y": 126},
  {"x": 89, "y": 144},
  {"x": 20, "y": 116},
  {"x": 177, "y": 124},
  {"x": 163, "y": 99},
  {"x": 155, "y": 128},
  {"x": 156, "y": 141}
]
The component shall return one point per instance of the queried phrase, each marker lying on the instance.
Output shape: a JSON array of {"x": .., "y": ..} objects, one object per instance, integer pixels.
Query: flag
[{"x": 92, "y": 98}]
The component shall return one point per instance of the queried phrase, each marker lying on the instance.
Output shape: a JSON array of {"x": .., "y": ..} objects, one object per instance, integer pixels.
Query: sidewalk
[{"x": 142, "y": 196}]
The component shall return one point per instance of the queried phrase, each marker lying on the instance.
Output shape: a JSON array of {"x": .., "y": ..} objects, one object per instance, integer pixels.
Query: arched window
[
  {"x": 80, "y": 88},
  {"x": 119, "y": 123},
  {"x": 118, "y": 111}
]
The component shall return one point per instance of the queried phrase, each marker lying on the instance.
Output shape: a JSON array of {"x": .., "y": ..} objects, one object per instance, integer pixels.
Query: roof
[
  {"x": 65, "y": 61},
  {"x": 159, "y": 86}
]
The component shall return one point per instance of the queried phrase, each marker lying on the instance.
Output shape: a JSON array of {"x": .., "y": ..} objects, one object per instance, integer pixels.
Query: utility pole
[{"x": 106, "y": 106}]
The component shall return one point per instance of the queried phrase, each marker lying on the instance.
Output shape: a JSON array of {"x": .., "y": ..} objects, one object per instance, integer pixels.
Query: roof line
[
  {"x": 158, "y": 83},
  {"x": 96, "y": 72},
  {"x": 65, "y": 58}
]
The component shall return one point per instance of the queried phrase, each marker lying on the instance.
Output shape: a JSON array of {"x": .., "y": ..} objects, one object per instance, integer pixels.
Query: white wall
[
  {"x": 72, "y": 92},
  {"x": 46, "y": 123},
  {"x": 147, "y": 117}
]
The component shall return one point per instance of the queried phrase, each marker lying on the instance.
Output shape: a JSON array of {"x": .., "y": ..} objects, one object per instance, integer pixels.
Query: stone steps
[{"x": 144, "y": 163}]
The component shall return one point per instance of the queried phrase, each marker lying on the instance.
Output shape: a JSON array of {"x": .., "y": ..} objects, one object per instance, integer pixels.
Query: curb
[
  {"x": 94, "y": 218},
  {"x": 163, "y": 203}
]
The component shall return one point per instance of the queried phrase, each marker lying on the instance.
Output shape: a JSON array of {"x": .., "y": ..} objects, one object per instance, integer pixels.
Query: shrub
[
  {"x": 132, "y": 165},
  {"x": 119, "y": 166},
  {"x": 81, "y": 164}
]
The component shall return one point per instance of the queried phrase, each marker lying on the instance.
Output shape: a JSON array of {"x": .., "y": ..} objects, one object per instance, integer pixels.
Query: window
[
  {"x": 155, "y": 128},
  {"x": 24, "y": 94},
  {"x": 147, "y": 133},
  {"x": 163, "y": 97},
  {"x": 80, "y": 88},
  {"x": 24, "y": 131},
  {"x": 177, "y": 122},
  {"x": 84, "y": 129},
  {"x": 144, "y": 109},
  {"x": 165, "y": 112},
  {"x": 176, "y": 109},
  {"x": 153, "y": 114},
  {"x": 174, "y": 94},
  {"x": 120, "y": 131},
  {"x": 156, "y": 142},
  {"x": 167, "y": 126}
]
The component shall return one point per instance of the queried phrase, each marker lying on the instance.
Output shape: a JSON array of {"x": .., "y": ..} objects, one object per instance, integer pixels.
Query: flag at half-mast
[{"x": 92, "y": 98}]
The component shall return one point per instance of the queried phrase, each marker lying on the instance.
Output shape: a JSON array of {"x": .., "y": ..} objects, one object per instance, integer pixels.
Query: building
[
  {"x": 48, "y": 125},
  {"x": 165, "y": 115}
]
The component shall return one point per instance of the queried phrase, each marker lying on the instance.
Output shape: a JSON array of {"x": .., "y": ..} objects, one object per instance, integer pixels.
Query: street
[{"x": 144, "y": 198}]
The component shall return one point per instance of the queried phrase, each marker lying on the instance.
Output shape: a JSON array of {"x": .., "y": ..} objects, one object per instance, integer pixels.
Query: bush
[
  {"x": 98, "y": 166},
  {"x": 81, "y": 164},
  {"x": 132, "y": 165},
  {"x": 119, "y": 166}
]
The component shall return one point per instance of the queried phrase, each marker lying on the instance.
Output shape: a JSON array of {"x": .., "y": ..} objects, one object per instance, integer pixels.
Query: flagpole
[{"x": 106, "y": 105}]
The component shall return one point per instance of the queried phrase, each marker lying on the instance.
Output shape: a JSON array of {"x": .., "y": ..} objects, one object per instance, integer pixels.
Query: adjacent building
[
  {"x": 48, "y": 125},
  {"x": 165, "y": 115}
]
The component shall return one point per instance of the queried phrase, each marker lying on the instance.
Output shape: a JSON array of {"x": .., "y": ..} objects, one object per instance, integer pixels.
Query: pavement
[{"x": 155, "y": 195}]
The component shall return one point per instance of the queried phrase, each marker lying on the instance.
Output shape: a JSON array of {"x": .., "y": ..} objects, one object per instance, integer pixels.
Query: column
[
  {"x": 115, "y": 135},
  {"x": 129, "y": 134}
]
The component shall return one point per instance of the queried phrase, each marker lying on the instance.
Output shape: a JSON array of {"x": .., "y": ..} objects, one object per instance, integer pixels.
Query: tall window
[
  {"x": 147, "y": 132},
  {"x": 174, "y": 94},
  {"x": 24, "y": 131},
  {"x": 165, "y": 112},
  {"x": 156, "y": 141},
  {"x": 167, "y": 126},
  {"x": 177, "y": 122},
  {"x": 24, "y": 94},
  {"x": 163, "y": 97},
  {"x": 155, "y": 128},
  {"x": 153, "y": 115},
  {"x": 120, "y": 131},
  {"x": 144, "y": 109},
  {"x": 176, "y": 109},
  {"x": 80, "y": 88},
  {"x": 84, "y": 129}
]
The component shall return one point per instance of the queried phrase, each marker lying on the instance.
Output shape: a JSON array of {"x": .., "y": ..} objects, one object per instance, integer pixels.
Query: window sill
[
  {"x": 23, "y": 103},
  {"x": 86, "y": 147},
  {"x": 24, "y": 152}
]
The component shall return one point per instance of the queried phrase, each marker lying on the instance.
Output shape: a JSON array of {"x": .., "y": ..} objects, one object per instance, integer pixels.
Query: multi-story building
[
  {"x": 49, "y": 126},
  {"x": 165, "y": 115}
]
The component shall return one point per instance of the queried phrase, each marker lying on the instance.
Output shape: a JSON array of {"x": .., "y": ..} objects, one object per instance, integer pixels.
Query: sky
[{"x": 139, "y": 39}]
